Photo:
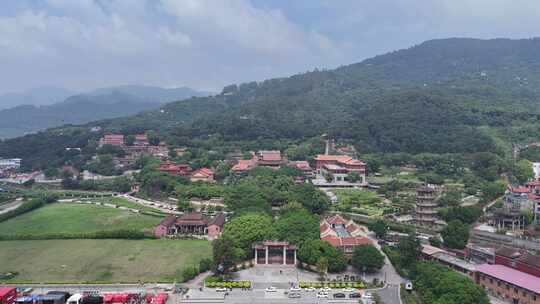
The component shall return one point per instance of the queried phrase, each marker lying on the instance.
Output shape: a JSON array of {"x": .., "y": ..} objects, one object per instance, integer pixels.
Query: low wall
[{"x": 484, "y": 237}]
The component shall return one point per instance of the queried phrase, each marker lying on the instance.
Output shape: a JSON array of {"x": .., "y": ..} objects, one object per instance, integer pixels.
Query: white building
[
  {"x": 536, "y": 170},
  {"x": 10, "y": 163}
]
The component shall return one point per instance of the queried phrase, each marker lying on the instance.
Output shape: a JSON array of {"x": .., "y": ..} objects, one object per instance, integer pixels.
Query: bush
[{"x": 189, "y": 273}]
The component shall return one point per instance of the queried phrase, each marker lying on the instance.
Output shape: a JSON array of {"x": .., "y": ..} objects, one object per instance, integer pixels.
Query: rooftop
[
  {"x": 273, "y": 155},
  {"x": 512, "y": 276}
]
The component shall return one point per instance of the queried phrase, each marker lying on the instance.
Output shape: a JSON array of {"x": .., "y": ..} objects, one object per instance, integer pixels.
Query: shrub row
[
  {"x": 113, "y": 234},
  {"x": 191, "y": 272},
  {"x": 332, "y": 284},
  {"x": 229, "y": 284},
  {"x": 29, "y": 206}
]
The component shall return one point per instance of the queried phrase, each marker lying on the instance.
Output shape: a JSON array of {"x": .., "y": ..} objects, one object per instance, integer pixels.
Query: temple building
[
  {"x": 270, "y": 159},
  {"x": 192, "y": 224},
  {"x": 175, "y": 169},
  {"x": 112, "y": 139},
  {"x": 275, "y": 253},
  {"x": 426, "y": 214},
  {"x": 342, "y": 234},
  {"x": 338, "y": 167}
]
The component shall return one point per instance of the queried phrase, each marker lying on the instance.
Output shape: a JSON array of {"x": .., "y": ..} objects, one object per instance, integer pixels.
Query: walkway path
[
  {"x": 148, "y": 203},
  {"x": 5, "y": 208}
]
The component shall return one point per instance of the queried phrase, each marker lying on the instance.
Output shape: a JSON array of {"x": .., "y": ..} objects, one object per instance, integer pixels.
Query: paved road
[{"x": 390, "y": 294}]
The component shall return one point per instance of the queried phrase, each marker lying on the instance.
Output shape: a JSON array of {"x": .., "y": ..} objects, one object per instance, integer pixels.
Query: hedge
[
  {"x": 229, "y": 284},
  {"x": 29, "y": 206},
  {"x": 114, "y": 234},
  {"x": 356, "y": 285}
]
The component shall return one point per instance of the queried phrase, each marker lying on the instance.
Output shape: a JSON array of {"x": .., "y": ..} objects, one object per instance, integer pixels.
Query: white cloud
[{"x": 87, "y": 43}]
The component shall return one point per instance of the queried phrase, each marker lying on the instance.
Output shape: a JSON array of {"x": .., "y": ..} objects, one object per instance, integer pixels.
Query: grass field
[
  {"x": 124, "y": 202},
  {"x": 106, "y": 261},
  {"x": 76, "y": 218},
  {"x": 360, "y": 201}
]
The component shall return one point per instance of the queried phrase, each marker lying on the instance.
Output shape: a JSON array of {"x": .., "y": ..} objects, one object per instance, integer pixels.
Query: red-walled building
[
  {"x": 8, "y": 295},
  {"x": 339, "y": 166},
  {"x": 175, "y": 169},
  {"x": 518, "y": 259},
  {"x": 112, "y": 139}
]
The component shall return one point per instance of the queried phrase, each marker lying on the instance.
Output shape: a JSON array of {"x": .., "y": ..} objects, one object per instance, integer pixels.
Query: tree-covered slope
[{"x": 450, "y": 95}]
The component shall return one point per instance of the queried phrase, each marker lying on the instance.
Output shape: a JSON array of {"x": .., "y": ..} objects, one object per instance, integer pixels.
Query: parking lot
[{"x": 261, "y": 296}]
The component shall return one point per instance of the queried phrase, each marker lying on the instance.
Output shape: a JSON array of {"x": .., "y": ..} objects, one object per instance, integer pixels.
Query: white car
[
  {"x": 348, "y": 290},
  {"x": 295, "y": 289},
  {"x": 367, "y": 296},
  {"x": 326, "y": 289},
  {"x": 322, "y": 295},
  {"x": 271, "y": 289},
  {"x": 310, "y": 289},
  {"x": 221, "y": 289}
]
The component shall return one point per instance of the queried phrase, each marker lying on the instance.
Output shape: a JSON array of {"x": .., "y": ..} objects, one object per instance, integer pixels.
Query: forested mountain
[
  {"x": 442, "y": 96},
  {"x": 37, "y": 97},
  {"x": 99, "y": 104}
]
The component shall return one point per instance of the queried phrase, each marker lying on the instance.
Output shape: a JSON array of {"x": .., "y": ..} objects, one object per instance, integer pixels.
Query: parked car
[
  {"x": 367, "y": 296},
  {"x": 295, "y": 289},
  {"x": 221, "y": 289},
  {"x": 339, "y": 295},
  {"x": 348, "y": 290},
  {"x": 310, "y": 289},
  {"x": 355, "y": 295},
  {"x": 321, "y": 294},
  {"x": 295, "y": 295},
  {"x": 271, "y": 289}
]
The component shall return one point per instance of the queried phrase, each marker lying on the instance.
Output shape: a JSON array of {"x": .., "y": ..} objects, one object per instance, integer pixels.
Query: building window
[{"x": 491, "y": 281}]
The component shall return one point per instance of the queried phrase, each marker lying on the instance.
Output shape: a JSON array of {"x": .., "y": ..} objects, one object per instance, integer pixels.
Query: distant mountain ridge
[
  {"x": 99, "y": 104},
  {"x": 40, "y": 96}
]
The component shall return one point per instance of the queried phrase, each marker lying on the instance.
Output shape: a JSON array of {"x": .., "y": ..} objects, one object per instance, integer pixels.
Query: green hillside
[{"x": 442, "y": 96}]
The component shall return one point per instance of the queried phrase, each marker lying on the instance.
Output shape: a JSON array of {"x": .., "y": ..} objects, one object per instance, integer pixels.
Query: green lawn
[
  {"x": 124, "y": 202},
  {"x": 105, "y": 261},
  {"x": 360, "y": 201},
  {"x": 76, "y": 218}
]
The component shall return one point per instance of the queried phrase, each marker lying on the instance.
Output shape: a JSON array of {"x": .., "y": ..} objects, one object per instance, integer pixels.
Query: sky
[{"x": 207, "y": 44}]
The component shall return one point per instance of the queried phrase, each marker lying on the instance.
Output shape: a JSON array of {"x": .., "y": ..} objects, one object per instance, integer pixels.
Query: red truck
[{"x": 8, "y": 295}]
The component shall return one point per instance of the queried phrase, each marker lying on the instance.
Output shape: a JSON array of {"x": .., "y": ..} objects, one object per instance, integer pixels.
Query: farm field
[
  {"x": 75, "y": 218},
  {"x": 103, "y": 261}
]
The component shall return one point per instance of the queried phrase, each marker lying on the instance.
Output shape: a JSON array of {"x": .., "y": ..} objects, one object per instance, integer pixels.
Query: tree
[
  {"x": 153, "y": 138},
  {"x": 467, "y": 215},
  {"x": 129, "y": 140},
  {"x": 311, "y": 251},
  {"x": 455, "y": 234},
  {"x": 313, "y": 199},
  {"x": 297, "y": 227},
  {"x": 121, "y": 184},
  {"x": 51, "y": 172},
  {"x": 322, "y": 267},
  {"x": 451, "y": 197},
  {"x": 523, "y": 171},
  {"x": 379, "y": 227},
  {"x": 435, "y": 241},
  {"x": 367, "y": 258},
  {"x": 246, "y": 197},
  {"x": 409, "y": 249},
  {"x": 492, "y": 190},
  {"x": 248, "y": 229},
  {"x": 353, "y": 177},
  {"x": 440, "y": 285},
  {"x": 222, "y": 171},
  {"x": 225, "y": 254}
]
